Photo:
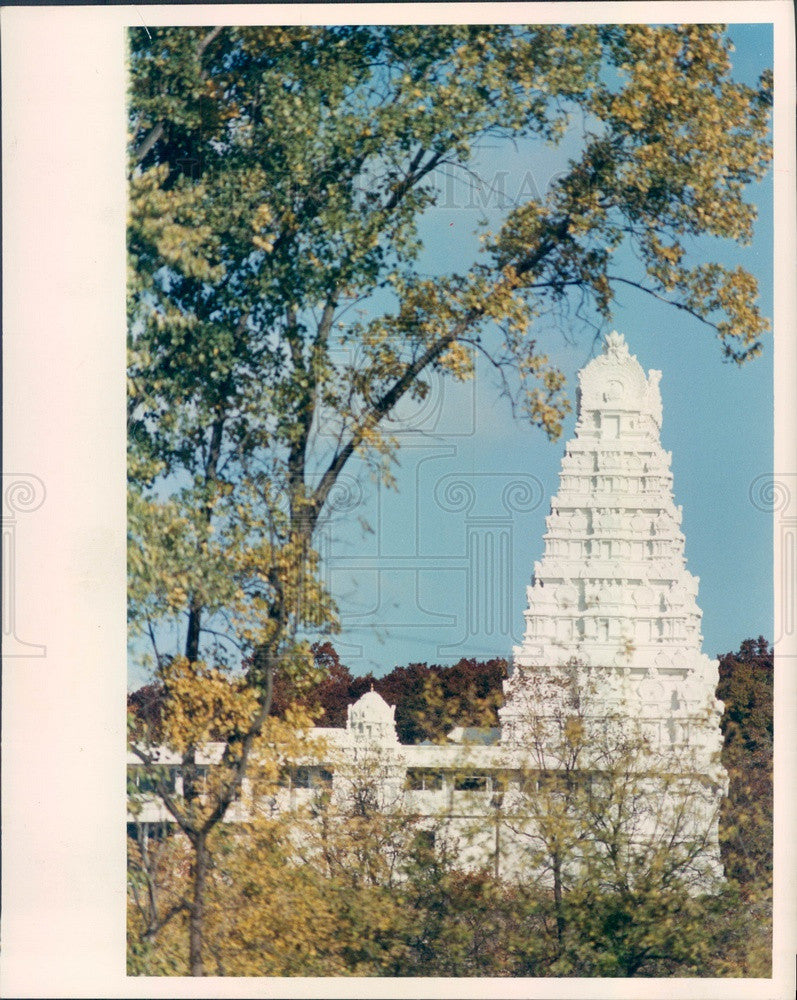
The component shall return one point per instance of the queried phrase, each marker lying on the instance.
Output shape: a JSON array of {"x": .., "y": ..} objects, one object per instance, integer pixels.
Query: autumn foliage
[
  {"x": 430, "y": 699},
  {"x": 365, "y": 894}
]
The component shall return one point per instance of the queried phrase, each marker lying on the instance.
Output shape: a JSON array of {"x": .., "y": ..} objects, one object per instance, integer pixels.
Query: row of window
[
  {"x": 429, "y": 779},
  {"x": 142, "y": 782},
  {"x": 417, "y": 778},
  {"x": 569, "y": 548},
  {"x": 305, "y": 777},
  {"x": 630, "y": 483}
]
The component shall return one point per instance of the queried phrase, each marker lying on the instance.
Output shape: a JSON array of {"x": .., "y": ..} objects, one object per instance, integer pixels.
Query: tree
[
  {"x": 607, "y": 871},
  {"x": 201, "y": 708},
  {"x": 746, "y": 680},
  {"x": 329, "y": 694},
  {"x": 429, "y": 699},
  {"x": 157, "y": 866},
  {"x": 616, "y": 828},
  {"x": 746, "y": 687},
  {"x": 144, "y": 707},
  {"x": 467, "y": 694},
  {"x": 317, "y": 889},
  {"x": 463, "y": 922},
  {"x": 277, "y": 178}
]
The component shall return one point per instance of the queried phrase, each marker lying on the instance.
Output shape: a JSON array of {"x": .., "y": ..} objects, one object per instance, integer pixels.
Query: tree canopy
[
  {"x": 746, "y": 687},
  {"x": 278, "y": 176},
  {"x": 430, "y": 699}
]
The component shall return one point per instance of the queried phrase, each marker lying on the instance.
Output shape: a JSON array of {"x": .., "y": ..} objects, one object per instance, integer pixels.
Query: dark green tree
[{"x": 746, "y": 687}]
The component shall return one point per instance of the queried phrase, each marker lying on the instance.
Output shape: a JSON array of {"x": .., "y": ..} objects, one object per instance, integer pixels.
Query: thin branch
[
  {"x": 158, "y": 658},
  {"x": 656, "y": 295},
  {"x": 499, "y": 365},
  {"x": 149, "y": 141},
  {"x": 221, "y": 635},
  {"x": 164, "y": 795},
  {"x": 383, "y": 405},
  {"x": 209, "y": 37},
  {"x": 239, "y": 766},
  {"x": 178, "y": 907}
]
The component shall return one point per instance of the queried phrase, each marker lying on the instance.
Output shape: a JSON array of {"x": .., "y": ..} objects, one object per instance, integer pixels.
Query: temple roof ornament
[
  {"x": 616, "y": 345},
  {"x": 615, "y": 381}
]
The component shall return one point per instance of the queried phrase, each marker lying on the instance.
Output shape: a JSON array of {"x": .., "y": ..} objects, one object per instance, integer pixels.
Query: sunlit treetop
[{"x": 279, "y": 175}]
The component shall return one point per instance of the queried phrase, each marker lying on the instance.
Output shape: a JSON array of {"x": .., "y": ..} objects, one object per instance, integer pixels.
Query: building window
[
  {"x": 422, "y": 779},
  {"x": 201, "y": 772},
  {"x": 300, "y": 777},
  {"x": 555, "y": 782},
  {"x": 499, "y": 782},
  {"x": 470, "y": 783},
  {"x": 424, "y": 840},
  {"x": 141, "y": 781},
  {"x": 310, "y": 777}
]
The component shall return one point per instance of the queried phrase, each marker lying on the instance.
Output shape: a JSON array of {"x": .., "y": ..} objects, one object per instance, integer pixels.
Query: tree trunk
[
  {"x": 195, "y": 608},
  {"x": 192, "y": 635},
  {"x": 557, "y": 900},
  {"x": 197, "y": 916}
]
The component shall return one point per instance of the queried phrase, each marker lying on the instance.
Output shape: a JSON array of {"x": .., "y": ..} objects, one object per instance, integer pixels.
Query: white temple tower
[{"x": 612, "y": 596}]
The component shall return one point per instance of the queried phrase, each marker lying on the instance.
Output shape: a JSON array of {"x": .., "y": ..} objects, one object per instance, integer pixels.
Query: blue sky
[{"x": 402, "y": 586}]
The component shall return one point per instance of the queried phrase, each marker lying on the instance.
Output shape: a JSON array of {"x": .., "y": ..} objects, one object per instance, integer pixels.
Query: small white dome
[
  {"x": 371, "y": 718},
  {"x": 374, "y": 707}
]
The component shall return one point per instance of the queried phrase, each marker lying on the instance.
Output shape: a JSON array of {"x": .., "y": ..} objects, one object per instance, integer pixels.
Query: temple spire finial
[{"x": 615, "y": 344}]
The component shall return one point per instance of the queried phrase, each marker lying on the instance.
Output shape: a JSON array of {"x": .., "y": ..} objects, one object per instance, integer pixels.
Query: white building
[{"x": 612, "y": 641}]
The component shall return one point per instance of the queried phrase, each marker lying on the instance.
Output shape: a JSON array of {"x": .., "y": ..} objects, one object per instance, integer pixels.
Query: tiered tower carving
[{"x": 611, "y": 598}]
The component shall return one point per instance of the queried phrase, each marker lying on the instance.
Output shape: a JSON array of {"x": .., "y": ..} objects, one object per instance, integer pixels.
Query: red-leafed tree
[
  {"x": 430, "y": 699},
  {"x": 145, "y": 708},
  {"x": 338, "y": 688},
  {"x": 408, "y": 689}
]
